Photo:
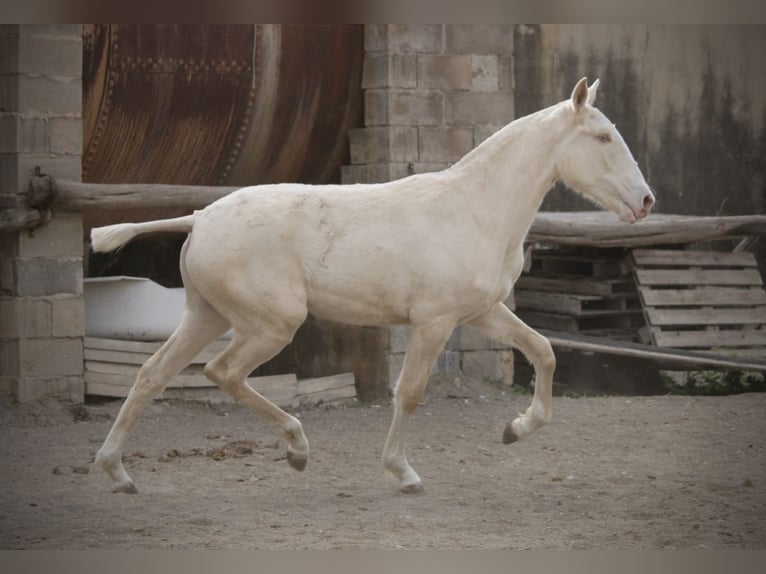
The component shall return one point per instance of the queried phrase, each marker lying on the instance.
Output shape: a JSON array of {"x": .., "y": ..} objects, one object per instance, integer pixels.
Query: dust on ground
[{"x": 607, "y": 472}]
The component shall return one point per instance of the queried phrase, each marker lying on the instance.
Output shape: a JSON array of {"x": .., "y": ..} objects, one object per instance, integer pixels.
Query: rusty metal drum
[{"x": 226, "y": 105}]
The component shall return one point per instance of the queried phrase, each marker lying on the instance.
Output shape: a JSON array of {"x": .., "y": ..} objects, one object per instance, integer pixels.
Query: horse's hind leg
[
  {"x": 199, "y": 326},
  {"x": 229, "y": 370}
]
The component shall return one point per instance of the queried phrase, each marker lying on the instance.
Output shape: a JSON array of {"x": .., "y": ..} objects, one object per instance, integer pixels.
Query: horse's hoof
[
  {"x": 509, "y": 435},
  {"x": 297, "y": 462},
  {"x": 127, "y": 488},
  {"x": 416, "y": 488}
]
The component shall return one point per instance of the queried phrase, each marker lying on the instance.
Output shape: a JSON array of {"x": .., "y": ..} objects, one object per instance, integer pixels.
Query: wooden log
[
  {"x": 603, "y": 229},
  {"x": 78, "y": 196},
  {"x": 20, "y": 218}
]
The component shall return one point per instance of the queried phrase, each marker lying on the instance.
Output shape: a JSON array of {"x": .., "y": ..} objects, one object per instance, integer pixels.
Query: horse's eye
[{"x": 604, "y": 137}]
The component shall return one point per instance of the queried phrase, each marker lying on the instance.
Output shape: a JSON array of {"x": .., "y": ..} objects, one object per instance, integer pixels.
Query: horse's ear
[
  {"x": 592, "y": 91},
  {"x": 580, "y": 94}
]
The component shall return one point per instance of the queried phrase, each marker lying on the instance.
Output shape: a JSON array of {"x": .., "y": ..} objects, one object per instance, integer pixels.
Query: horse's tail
[{"x": 113, "y": 236}]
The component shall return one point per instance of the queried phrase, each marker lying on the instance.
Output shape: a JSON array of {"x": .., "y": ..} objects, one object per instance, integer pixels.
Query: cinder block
[
  {"x": 33, "y": 136},
  {"x": 65, "y": 136},
  {"x": 7, "y": 276},
  {"x": 506, "y": 73},
  {"x": 375, "y": 37},
  {"x": 49, "y": 96},
  {"x": 485, "y": 73},
  {"x": 403, "y": 144},
  {"x": 50, "y": 357},
  {"x": 447, "y": 363},
  {"x": 395, "y": 364},
  {"x": 386, "y": 70},
  {"x": 67, "y": 316},
  {"x": 444, "y": 144},
  {"x": 479, "y": 38},
  {"x": 419, "y": 38},
  {"x": 482, "y": 132},
  {"x": 35, "y": 388},
  {"x": 483, "y": 365},
  {"x": 61, "y": 237},
  {"x": 368, "y": 145},
  {"x": 31, "y": 318},
  {"x": 51, "y": 56},
  {"x": 416, "y": 107},
  {"x": 383, "y": 144},
  {"x": 445, "y": 72},
  {"x": 465, "y": 338},
  {"x": 428, "y": 166},
  {"x": 398, "y": 336},
  {"x": 9, "y": 52},
  {"x": 40, "y": 277},
  {"x": 9, "y": 139},
  {"x": 9, "y": 91},
  {"x": 472, "y": 108},
  {"x": 9, "y": 358},
  {"x": 376, "y": 107}
]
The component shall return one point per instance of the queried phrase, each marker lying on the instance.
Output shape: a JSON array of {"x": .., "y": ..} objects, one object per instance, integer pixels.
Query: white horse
[{"x": 430, "y": 251}]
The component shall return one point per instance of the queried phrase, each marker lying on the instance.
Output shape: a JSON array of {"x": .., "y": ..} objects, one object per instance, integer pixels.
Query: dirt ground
[{"x": 608, "y": 472}]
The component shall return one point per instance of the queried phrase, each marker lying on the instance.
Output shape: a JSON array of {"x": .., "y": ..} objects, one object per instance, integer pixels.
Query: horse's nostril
[{"x": 648, "y": 202}]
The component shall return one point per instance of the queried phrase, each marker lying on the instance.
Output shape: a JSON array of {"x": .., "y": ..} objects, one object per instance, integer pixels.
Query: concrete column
[{"x": 41, "y": 297}]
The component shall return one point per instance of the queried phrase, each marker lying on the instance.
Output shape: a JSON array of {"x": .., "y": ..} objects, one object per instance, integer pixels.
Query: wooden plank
[
  {"x": 127, "y": 379},
  {"x": 680, "y": 258},
  {"x": 708, "y": 339},
  {"x": 746, "y": 277},
  {"x": 329, "y": 396},
  {"x": 281, "y": 389},
  {"x": 146, "y": 348},
  {"x": 321, "y": 384},
  {"x": 575, "y": 285},
  {"x": 665, "y": 357},
  {"x": 702, "y": 296},
  {"x": 573, "y": 304},
  {"x": 706, "y": 316}
]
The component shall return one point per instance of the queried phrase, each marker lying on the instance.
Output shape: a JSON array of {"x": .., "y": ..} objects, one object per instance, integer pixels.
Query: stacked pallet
[
  {"x": 111, "y": 366},
  {"x": 579, "y": 289},
  {"x": 702, "y": 299}
]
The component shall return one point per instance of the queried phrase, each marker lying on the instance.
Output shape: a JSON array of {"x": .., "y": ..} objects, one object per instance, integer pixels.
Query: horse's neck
[{"x": 505, "y": 178}]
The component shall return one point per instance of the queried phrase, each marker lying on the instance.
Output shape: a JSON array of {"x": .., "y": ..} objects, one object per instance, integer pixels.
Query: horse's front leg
[
  {"x": 424, "y": 347},
  {"x": 505, "y": 327}
]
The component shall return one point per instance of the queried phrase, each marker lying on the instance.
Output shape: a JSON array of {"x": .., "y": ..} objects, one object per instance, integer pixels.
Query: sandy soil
[{"x": 608, "y": 472}]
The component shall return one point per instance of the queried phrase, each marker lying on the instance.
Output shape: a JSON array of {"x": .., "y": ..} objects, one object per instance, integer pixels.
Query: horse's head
[{"x": 594, "y": 160}]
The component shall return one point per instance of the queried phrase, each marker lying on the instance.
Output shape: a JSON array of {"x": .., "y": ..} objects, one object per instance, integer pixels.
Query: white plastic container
[{"x": 132, "y": 308}]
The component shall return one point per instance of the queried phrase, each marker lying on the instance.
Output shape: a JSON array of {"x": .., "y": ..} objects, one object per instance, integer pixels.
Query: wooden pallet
[
  {"x": 111, "y": 367},
  {"x": 576, "y": 289},
  {"x": 701, "y": 299}
]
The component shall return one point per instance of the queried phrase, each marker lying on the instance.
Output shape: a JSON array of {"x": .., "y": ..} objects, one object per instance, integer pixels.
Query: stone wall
[{"x": 41, "y": 303}]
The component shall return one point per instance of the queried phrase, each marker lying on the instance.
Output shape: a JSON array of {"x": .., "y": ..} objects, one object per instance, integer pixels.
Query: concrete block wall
[
  {"x": 432, "y": 93},
  {"x": 42, "y": 315}
]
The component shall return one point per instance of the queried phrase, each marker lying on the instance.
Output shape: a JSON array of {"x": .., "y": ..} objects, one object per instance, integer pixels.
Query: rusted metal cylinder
[{"x": 227, "y": 105}]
